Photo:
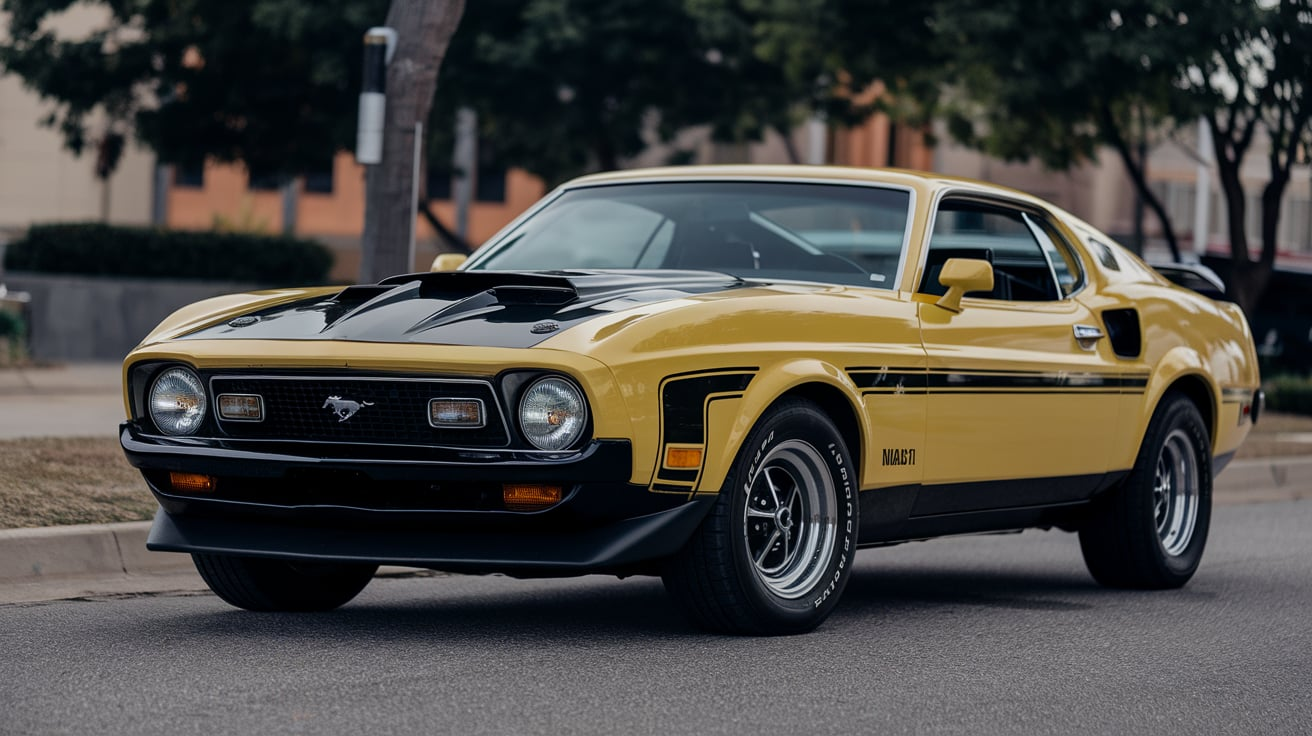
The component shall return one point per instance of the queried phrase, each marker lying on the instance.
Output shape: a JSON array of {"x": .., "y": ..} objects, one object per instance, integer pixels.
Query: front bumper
[{"x": 409, "y": 506}]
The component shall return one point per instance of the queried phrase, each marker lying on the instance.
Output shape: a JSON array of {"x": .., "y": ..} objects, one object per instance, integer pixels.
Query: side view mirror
[
  {"x": 962, "y": 276},
  {"x": 448, "y": 261}
]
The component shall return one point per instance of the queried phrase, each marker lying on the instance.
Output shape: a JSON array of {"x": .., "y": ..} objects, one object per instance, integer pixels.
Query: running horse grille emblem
[{"x": 344, "y": 408}]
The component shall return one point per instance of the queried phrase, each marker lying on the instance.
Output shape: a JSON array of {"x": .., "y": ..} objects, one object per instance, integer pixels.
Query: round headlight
[
  {"x": 177, "y": 402},
  {"x": 552, "y": 414}
]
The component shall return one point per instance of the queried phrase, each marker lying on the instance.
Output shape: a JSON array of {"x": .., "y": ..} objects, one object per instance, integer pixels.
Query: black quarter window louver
[{"x": 1123, "y": 332}]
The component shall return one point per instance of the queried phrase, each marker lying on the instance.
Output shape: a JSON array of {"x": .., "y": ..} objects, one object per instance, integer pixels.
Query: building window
[
  {"x": 264, "y": 180},
  {"x": 439, "y": 182},
  {"x": 320, "y": 180},
  {"x": 189, "y": 176},
  {"x": 1178, "y": 199},
  {"x": 491, "y": 184},
  {"x": 1296, "y": 223}
]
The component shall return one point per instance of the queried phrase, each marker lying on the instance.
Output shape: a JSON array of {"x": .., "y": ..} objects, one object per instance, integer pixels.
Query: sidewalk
[{"x": 75, "y": 400}]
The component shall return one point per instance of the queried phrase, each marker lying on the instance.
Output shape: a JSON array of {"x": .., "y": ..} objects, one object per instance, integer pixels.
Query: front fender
[{"x": 729, "y": 421}]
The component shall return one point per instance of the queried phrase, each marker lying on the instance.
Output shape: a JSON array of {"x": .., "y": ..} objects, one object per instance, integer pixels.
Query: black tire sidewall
[
  {"x": 796, "y": 421},
  {"x": 263, "y": 584},
  {"x": 1177, "y": 413}
]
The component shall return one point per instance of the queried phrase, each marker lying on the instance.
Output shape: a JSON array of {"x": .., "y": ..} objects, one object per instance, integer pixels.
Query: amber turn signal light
[
  {"x": 528, "y": 497},
  {"x": 192, "y": 482},
  {"x": 683, "y": 457}
]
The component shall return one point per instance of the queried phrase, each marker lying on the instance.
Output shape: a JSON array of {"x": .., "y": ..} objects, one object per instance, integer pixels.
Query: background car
[{"x": 732, "y": 377}]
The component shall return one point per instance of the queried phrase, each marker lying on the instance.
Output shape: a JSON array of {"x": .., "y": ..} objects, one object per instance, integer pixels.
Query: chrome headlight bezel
[
  {"x": 189, "y": 404},
  {"x": 544, "y": 396}
]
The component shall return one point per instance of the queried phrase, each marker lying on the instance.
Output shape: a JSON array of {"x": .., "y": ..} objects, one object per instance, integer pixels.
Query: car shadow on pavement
[
  {"x": 599, "y": 610},
  {"x": 921, "y": 589}
]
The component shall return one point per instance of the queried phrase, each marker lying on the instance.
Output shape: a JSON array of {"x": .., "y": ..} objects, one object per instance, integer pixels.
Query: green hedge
[
  {"x": 11, "y": 325},
  {"x": 1291, "y": 394},
  {"x": 12, "y": 332},
  {"x": 103, "y": 250}
]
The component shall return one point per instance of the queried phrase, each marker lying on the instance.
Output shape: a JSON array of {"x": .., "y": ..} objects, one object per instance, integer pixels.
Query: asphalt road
[{"x": 975, "y": 635}]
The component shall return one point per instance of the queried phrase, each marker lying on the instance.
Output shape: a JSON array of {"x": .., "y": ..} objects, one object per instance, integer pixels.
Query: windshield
[{"x": 810, "y": 232}]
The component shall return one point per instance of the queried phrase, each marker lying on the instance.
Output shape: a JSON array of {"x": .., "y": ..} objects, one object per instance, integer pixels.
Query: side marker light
[
  {"x": 683, "y": 457},
  {"x": 193, "y": 482},
  {"x": 529, "y": 497}
]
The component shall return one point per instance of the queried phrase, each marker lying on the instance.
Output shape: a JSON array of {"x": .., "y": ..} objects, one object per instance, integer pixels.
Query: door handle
[{"x": 1087, "y": 336}]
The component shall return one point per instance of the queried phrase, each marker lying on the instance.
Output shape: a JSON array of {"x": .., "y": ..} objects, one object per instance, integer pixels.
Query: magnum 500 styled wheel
[
  {"x": 1150, "y": 532},
  {"x": 776, "y": 550}
]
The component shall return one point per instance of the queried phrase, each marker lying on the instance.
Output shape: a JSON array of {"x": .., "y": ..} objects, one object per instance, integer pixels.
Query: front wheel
[
  {"x": 258, "y": 584},
  {"x": 1149, "y": 533},
  {"x": 776, "y": 550}
]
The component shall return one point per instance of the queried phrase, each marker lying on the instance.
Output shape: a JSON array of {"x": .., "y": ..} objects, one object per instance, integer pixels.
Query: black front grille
[{"x": 391, "y": 410}]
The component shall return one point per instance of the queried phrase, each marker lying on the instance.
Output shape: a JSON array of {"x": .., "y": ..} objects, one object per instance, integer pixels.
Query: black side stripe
[
  {"x": 1032, "y": 380},
  {"x": 683, "y": 414},
  {"x": 906, "y": 378},
  {"x": 940, "y": 380}
]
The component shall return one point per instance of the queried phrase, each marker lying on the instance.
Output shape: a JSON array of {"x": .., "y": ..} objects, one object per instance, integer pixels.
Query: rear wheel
[
  {"x": 775, "y": 552},
  {"x": 258, "y": 584},
  {"x": 1150, "y": 531}
]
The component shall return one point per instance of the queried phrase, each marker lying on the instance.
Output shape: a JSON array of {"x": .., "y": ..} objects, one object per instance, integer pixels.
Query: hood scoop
[
  {"x": 535, "y": 295},
  {"x": 496, "y": 308},
  {"x": 459, "y": 284},
  {"x": 356, "y": 300}
]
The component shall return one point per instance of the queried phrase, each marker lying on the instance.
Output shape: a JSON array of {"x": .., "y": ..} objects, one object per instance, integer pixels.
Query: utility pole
[
  {"x": 1203, "y": 189},
  {"x": 465, "y": 162},
  {"x": 423, "y": 31}
]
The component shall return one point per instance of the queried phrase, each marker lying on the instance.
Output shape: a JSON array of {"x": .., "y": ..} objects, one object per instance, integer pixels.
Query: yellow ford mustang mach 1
[{"x": 731, "y": 377}]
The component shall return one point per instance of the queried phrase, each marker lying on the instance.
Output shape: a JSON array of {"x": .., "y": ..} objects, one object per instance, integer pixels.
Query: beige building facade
[{"x": 41, "y": 181}]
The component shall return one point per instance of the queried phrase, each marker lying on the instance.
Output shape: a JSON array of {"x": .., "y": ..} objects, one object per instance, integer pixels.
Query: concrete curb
[
  {"x": 34, "y": 555},
  {"x": 67, "y": 552}
]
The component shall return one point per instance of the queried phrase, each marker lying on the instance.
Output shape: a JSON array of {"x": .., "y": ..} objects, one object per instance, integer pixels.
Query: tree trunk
[
  {"x": 1258, "y": 275},
  {"x": 1246, "y": 280},
  {"x": 1136, "y": 170},
  {"x": 424, "y": 28}
]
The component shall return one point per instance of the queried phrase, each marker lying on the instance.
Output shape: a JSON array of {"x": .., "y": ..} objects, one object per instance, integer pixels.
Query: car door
[{"x": 1018, "y": 384}]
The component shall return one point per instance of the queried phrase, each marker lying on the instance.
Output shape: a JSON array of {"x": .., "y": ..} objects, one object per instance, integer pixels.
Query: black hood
[{"x": 492, "y": 308}]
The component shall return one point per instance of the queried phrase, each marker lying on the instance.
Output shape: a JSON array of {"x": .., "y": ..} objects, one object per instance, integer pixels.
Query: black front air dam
[{"x": 617, "y": 546}]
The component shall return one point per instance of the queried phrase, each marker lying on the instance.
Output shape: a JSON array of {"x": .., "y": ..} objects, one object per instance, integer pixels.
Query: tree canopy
[
  {"x": 566, "y": 86},
  {"x": 272, "y": 83}
]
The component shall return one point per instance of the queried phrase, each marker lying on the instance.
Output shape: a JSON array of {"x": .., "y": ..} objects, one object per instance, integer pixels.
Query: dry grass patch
[{"x": 80, "y": 480}]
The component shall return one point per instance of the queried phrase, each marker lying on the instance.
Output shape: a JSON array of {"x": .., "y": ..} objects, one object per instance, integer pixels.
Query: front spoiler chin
[{"x": 618, "y": 547}]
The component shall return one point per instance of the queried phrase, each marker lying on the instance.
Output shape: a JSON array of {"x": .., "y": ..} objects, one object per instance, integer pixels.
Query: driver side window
[{"x": 999, "y": 235}]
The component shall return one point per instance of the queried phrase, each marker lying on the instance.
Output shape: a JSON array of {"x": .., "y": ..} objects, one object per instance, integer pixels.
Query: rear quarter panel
[{"x": 1185, "y": 337}]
